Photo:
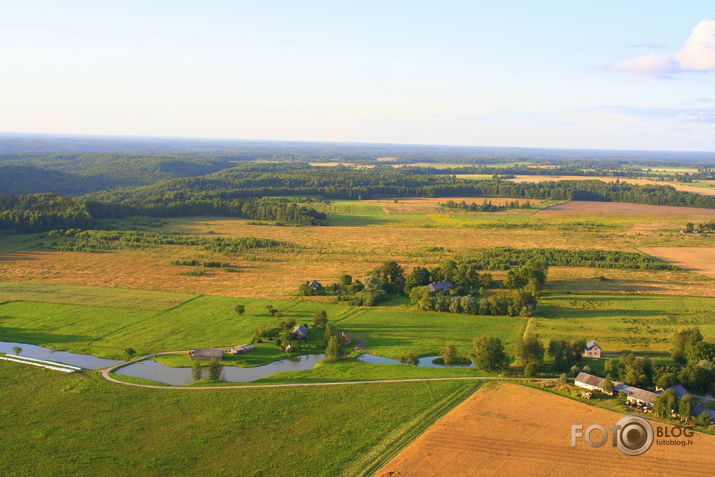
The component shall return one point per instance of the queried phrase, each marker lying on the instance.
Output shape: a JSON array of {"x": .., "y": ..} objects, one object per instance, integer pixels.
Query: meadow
[
  {"x": 317, "y": 431},
  {"x": 411, "y": 231}
]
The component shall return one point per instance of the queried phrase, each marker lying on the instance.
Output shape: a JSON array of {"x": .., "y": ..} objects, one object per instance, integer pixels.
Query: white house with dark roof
[{"x": 592, "y": 350}]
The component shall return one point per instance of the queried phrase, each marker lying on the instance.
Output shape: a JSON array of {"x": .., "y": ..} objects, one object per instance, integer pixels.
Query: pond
[
  {"x": 154, "y": 371},
  {"x": 425, "y": 361},
  {"x": 85, "y": 361}
]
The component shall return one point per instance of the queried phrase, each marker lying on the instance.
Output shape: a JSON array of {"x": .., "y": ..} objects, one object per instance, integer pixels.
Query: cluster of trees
[
  {"x": 486, "y": 206},
  {"x": 668, "y": 404},
  {"x": 187, "y": 203},
  {"x": 90, "y": 240},
  {"x": 504, "y": 258},
  {"x": 41, "y": 212},
  {"x": 692, "y": 365},
  {"x": 469, "y": 294},
  {"x": 353, "y": 292},
  {"x": 704, "y": 227},
  {"x": 48, "y": 211}
]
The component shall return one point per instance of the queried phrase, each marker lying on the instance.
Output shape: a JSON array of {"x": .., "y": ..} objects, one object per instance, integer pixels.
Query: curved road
[{"x": 106, "y": 375}]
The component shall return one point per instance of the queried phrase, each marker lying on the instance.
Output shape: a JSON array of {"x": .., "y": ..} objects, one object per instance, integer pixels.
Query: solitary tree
[
  {"x": 563, "y": 379},
  {"x": 703, "y": 420},
  {"x": 685, "y": 407},
  {"x": 327, "y": 334},
  {"x": 530, "y": 370},
  {"x": 608, "y": 385},
  {"x": 130, "y": 352},
  {"x": 489, "y": 353},
  {"x": 665, "y": 404},
  {"x": 240, "y": 309},
  {"x": 408, "y": 358},
  {"x": 333, "y": 351},
  {"x": 320, "y": 318},
  {"x": 530, "y": 351},
  {"x": 449, "y": 354},
  {"x": 196, "y": 370},
  {"x": 17, "y": 349},
  {"x": 215, "y": 370}
]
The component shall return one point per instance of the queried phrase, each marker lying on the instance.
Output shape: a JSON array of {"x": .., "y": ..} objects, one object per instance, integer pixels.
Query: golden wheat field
[{"x": 509, "y": 429}]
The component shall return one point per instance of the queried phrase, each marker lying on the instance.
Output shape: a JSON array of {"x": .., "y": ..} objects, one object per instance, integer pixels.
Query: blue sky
[{"x": 508, "y": 73}]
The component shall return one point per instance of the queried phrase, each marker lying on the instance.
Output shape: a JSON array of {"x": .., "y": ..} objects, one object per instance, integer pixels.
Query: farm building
[
  {"x": 440, "y": 286},
  {"x": 589, "y": 381},
  {"x": 207, "y": 353},
  {"x": 300, "y": 332},
  {"x": 315, "y": 285},
  {"x": 636, "y": 395},
  {"x": 592, "y": 350},
  {"x": 345, "y": 338},
  {"x": 244, "y": 348}
]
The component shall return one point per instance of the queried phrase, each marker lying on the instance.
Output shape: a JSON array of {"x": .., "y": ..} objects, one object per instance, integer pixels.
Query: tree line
[
  {"x": 91, "y": 240},
  {"x": 44, "y": 212}
]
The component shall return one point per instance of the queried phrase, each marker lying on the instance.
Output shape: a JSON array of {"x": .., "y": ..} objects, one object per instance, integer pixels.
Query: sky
[{"x": 608, "y": 74}]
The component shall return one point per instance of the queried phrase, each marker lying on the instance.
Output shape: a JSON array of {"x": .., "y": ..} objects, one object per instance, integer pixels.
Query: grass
[
  {"x": 622, "y": 322},
  {"x": 203, "y": 322},
  {"x": 91, "y": 296},
  {"x": 393, "y": 332},
  {"x": 317, "y": 431},
  {"x": 353, "y": 370}
]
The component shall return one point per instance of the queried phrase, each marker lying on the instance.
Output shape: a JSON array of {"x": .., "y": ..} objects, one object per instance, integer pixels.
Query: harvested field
[
  {"x": 648, "y": 182},
  {"x": 591, "y": 207},
  {"x": 432, "y": 205},
  {"x": 603, "y": 280},
  {"x": 507, "y": 429},
  {"x": 701, "y": 260}
]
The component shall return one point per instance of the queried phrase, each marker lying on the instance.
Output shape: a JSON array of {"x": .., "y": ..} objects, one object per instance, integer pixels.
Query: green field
[
  {"x": 618, "y": 322},
  {"x": 622, "y": 322},
  {"x": 139, "y": 432},
  {"x": 91, "y": 296}
]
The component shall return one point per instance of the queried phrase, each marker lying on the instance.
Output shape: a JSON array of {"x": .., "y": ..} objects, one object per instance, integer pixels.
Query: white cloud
[{"x": 698, "y": 54}]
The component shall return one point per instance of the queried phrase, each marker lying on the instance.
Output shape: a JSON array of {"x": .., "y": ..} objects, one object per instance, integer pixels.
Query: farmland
[
  {"x": 102, "y": 301},
  {"x": 508, "y": 429},
  {"x": 260, "y": 432}
]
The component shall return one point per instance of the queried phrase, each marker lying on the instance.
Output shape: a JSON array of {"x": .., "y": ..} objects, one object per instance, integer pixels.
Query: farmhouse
[
  {"x": 207, "y": 353},
  {"x": 439, "y": 286},
  {"x": 592, "y": 350},
  {"x": 315, "y": 285},
  {"x": 345, "y": 338},
  {"x": 300, "y": 332},
  {"x": 244, "y": 348}
]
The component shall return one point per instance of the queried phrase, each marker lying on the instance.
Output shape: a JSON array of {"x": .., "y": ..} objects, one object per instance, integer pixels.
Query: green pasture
[
  {"x": 91, "y": 296},
  {"x": 622, "y": 322},
  {"x": 136, "y": 432}
]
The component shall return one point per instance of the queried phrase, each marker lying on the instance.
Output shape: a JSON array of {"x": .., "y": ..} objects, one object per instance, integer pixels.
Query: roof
[
  {"x": 637, "y": 393},
  {"x": 590, "y": 379},
  {"x": 208, "y": 352},
  {"x": 439, "y": 286},
  {"x": 315, "y": 284},
  {"x": 592, "y": 344},
  {"x": 243, "y": 347},
  {"x": 300, "y": 330},
  {"x": 680, "y": 391}
]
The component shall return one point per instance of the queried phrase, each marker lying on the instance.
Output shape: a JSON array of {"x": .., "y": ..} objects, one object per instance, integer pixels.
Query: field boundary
[{"x": 400, "y": 442}]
